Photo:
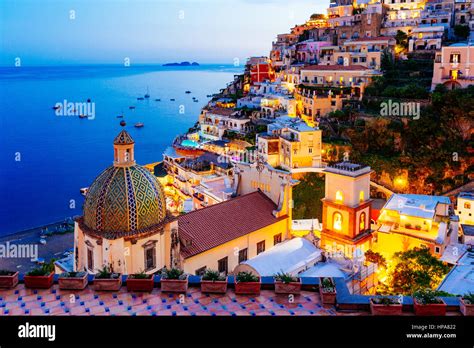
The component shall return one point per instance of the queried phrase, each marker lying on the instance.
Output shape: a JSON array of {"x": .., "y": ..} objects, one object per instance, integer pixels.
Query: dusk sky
[{"x": 207, "y": 31}]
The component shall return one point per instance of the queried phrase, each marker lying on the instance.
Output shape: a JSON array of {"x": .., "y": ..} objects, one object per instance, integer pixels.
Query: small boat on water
[
  {"x": 147, "y": 95},
  {"x": 157, "y": 99},
  {"x": 131, "y": 107},
  {"x": 82, "y": 116},
  {"x": 84, "y": 191},
  {"x": 140, "y": 98},
  {"x": 172, "y": 99},
  {"x": 187, "y": 92},
  {"x": 120, "y": 116},
  {"x": 196, "y": 101},
  {"x": 56, "y": 107},
  {"x": 139, "y": 125},
  {"x": 209, "y": 95},
  {"x": 89, "y": 100}
]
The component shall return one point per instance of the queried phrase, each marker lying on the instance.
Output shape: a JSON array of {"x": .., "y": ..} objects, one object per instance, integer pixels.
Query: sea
[{"x": 47, "y": 158}]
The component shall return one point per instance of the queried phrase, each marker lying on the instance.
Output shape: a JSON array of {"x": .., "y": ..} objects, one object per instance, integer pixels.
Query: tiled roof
[
  {"x": 335, "y": 67},
  {"x": 207, "y": 228},
  {"x": 221, "y": 111},
  {"x": 380, "y": 38},
  {"x": 123, "y": 138}
]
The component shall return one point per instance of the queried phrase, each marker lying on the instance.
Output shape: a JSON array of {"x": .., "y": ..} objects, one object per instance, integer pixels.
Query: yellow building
[{"x": 408, "y": 221}]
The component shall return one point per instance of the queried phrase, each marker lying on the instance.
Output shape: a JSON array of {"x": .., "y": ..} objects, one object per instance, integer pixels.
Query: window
[
  {"x": 260, "y": 247},
  {"x": 337, "y": 221},
  {"x": 455, "y": 58},
  {"x": 200, "y": 271},
  {"x": 362, "y": 222},
  {"x": 467, "y": 205},
  {"x": 277, "y": 239},
  {"x": 339, "y": 197},
  {"x": 437, "y": 250},
  {"x": 243, "y": 255},
  {"x": 150, "y": 260},
  {"x": 222, "y": 265},
  {"x": 361, "y": 196},
  {"x": 90, "y": 259}
]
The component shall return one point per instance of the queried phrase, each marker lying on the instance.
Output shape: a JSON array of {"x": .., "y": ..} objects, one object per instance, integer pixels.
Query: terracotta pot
[
  {"x": 174, "y": 285},
  {"x": 381, "y": 309},
  {"x": 466, "y": 309},
  {"x": 328, "y": 298},
  {"x": 9, "y": 281},
  {"x": 39, "y": 282},
  {"x": 215, "y": 287},
  {"x": 436, "y": 309},
  {"x": 108, "y": 284},
  {"x": 134, "y": 284},
  {"x": 290, "y": 288},
  {"x": 70, "y": 283},
  {"x": 248, "y": 288}
]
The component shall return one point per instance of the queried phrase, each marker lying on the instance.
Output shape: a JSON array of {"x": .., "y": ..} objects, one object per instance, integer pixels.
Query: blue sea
[{"x": 46, "y": 159}]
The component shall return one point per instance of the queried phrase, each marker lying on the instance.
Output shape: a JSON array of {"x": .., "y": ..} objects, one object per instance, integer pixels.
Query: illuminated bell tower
[
  {"x": 346, "y": 208},
  {"x": 124, "y": 150}
]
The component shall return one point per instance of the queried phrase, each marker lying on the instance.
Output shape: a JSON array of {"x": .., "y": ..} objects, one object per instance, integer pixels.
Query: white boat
[
  {"x": 139, "y": 125},
  {"x": 84, "y": 191}
]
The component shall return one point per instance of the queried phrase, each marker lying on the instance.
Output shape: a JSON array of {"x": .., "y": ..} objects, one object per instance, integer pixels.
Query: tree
[
  {"x": 413, "y": 270},
  {"x": 402, "y": 38},
  {"x": 375, "y": 257},
  {"x": 307, "y": 196},
  {"x": 461, "y": 31}
]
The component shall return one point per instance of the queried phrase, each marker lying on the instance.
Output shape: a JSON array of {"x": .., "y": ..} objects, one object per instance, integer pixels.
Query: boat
[
  {"x": 131, "y": 107},
  {"x": 84, "y": 191},
  {"x": 82, "y": 116},
  {"x": 140, "y": 98},
  {"x": 89, "y": 100},
  {"x": 147, "y": 95},
  {"x": 120, "y": 116},
  {"x": 196, "y": 101},
  {"x": 172, "y": 99},
  {"x": 209, "y": 95},
  {"x": 56, "y": 107},
  {"x": 157, "y": 99},
  {"x": 187, "y": 92},
  {"x": 139, "y": 125}
]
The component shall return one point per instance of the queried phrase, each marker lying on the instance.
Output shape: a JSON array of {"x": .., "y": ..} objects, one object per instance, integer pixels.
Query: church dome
[{"x": 125, "y": 198}]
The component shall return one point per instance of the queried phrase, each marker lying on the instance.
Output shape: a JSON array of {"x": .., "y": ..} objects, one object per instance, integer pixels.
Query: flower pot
[
  {"x": 134, "y": 284},
  {"x": 382, "y": 309},
  {"x": 8, "y": 281},
  {"x": 465, "y": 308},
  {"x": 288, "y": 288},
  {"x": 434, "y": 309},
  {"x": 215, "y": 287},
  {"x": 327, "y": 297},
  {"x": 39, "y": 282},
  {"x": 174, "y": 285},
  {"x": 73, "y": 283},
  {"x": 248, "y": 288},
  {"x": 108, "y": 284}
]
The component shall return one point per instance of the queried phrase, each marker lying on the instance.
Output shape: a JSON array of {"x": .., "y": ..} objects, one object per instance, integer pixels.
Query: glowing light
[
  {"x": 337, "y": 221},
  {"x": 339, "y": 197}
]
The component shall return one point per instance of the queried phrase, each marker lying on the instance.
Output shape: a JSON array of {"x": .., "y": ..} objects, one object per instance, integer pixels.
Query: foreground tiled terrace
[{"x": 53, "y": 301}]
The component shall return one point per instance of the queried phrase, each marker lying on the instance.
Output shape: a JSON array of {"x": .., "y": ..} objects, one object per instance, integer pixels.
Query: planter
[
  {"x": 73, "y": 283},
  {"x": 134, "y": 284},
  {"x": 434, "y": 309},
  {"x": 9, "y": 281},
  {"x": 108, "y": 284},
  {"x": 215, "y": 287},
  {"x": 382, "y": 309},
  {"x": 466, "y": 309},
  {"x": 39, "y": 282},
  {"x": 248, "y": 288},
  {"x": 327, "y": 297},
  {"x": 288, "y": 288},
  {"x": 174, "y": 285}
]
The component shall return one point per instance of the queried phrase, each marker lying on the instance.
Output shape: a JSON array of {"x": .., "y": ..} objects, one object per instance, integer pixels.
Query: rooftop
[
  {"x": 220, "y": 223},
  {"x": 423, "y": 206},
  {"x": 467, "y": 195},
  {"x": 221, "y": 111},
  {"x": 348, "y": 168},
  {"x": 335, "y": 68},
  {"x": 460, "y": 280},
  {"x": 468, "y": 230}
]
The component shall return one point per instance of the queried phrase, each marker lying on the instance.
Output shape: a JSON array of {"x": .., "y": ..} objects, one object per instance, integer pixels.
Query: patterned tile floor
[{"x": 22, "y": 301}]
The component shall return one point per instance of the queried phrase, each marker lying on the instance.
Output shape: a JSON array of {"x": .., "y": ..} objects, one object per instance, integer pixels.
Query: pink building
[{"x": 454, "y": 66}]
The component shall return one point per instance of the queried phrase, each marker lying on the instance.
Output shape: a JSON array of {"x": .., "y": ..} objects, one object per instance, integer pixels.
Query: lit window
[
  {"x": 337, "y": 221},
  {"x": 361, "y": 196},
  {"x": 339, "y": 197},
  {"x": 362, "y": 222},
  {"x": 467, "y": 205}
]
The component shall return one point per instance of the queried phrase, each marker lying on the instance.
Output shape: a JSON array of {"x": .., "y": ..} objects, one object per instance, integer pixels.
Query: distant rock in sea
[{"x": 182, "y": 64}]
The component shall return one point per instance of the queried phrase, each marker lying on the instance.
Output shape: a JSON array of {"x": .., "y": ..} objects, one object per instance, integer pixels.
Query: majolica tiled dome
[{"x": 125, "y": 198}]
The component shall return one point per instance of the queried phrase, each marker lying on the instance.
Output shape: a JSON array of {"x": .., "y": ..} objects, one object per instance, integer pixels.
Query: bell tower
[
  {"x": 346, "y": 209},
  {"x": 124, "y": 150}
]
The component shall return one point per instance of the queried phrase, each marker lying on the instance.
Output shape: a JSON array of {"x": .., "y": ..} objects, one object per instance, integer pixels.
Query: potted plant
[
  {"x": 107, "y": 280},
  {"x": 327, "y": 290},
  {"x": 8, "y": 279},
  {"x": 140, "y": 282},
  {"x": 247, "y": 283},
  {"x": 285, "y": 283},
  {"x": 428, "y": 303},
  {"x": 466, "y": 305},
  {"x": 213, "y": 282},
  {"x": 41, "y": 277},
  {"x": 174, "y": 280},
  {"x": 385, "y": 305},
  {"x": 72, "y": 280}
]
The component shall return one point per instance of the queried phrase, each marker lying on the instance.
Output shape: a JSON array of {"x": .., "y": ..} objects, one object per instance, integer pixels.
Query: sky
[{"x": 65, "y": 32}]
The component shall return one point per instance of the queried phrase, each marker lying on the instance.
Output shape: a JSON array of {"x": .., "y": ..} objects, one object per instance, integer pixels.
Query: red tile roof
[
  {"x": 222, "y": 111},
  {"x": 207, "y": 228},
  {"x": 379, "y": 38},
  {"x": 335, "y": 67}
]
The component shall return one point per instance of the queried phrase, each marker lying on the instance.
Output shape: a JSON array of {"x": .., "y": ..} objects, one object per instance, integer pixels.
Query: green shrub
[
  {"x": 285, "y": 278},
  {"x": 212, "y": 275},
  {"x": 247, "y": 277}
]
